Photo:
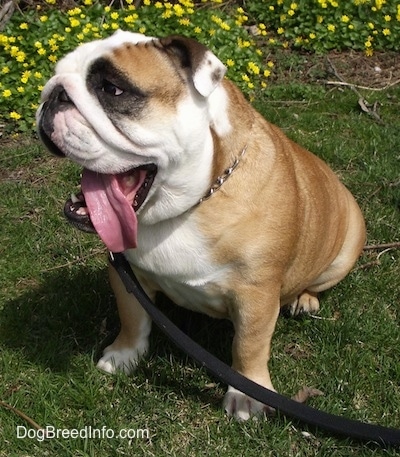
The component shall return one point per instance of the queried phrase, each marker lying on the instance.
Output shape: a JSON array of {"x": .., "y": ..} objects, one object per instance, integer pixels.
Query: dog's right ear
[{"x": 206, "y": 70}]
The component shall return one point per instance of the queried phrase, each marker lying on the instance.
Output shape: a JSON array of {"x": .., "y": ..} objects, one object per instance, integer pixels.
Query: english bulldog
[{"x": 210, "y": 203}]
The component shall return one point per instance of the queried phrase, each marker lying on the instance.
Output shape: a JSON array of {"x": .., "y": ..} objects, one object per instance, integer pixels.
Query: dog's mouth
[{"x": 107, "y": 205}]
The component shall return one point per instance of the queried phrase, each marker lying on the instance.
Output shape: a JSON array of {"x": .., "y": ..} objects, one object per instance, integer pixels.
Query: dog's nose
[{"x": 63, "y": 97}]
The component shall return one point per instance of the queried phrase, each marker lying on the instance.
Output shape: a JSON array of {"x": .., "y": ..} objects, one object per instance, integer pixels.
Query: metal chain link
[{"x": 221, "y": 179}]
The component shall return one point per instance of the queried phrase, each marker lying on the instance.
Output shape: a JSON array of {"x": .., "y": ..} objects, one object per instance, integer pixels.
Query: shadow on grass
[{"x": 72, "y": 312}]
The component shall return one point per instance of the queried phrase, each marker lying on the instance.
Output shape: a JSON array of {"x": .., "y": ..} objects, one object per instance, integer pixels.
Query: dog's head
[{"x": 136, "y": 113}]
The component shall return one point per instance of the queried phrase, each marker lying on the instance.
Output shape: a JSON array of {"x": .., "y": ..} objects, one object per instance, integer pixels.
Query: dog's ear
[{"x": 205, "y": 68}]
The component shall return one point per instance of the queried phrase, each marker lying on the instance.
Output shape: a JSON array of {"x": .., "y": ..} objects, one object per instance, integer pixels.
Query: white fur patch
[{"x": 209, "y": 74}]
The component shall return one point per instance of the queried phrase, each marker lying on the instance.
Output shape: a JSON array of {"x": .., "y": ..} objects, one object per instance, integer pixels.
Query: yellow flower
[
  {"x": 345, "y": 18},
  {"x": 115, "y": 26},
  {"x": 267, "y": 73},
  {"x": 41, "y": 51},
  {"x": 166, "y": 14},
  {"x": 5, "y": 70},
  {"x": 178, "y": 10},
  {"x": 281, "y": 30},
  {"x": 368, "y": 44},
  {"x": 386, "y": 32},
  {"x": 7, "y": 93},
  {"x": 37, "y": 75},
  {"x": 75, "y": 11},
  {"x": 87, "y": 2},
  {"x": 184, "y": 21},
  {"x": 74, "y": 22},
  {"x": 197, "y": 30},
  {"x": 43, "y": 18},
  {"x": 52, "y": 58},
  {"x": 291, "y": 13},
  {"x": 23, "y": 26},
  {"x": 158, "y": 5},
  {"x": 142, "y": 30},
  {"x": 253, "y": 68},
  {"x": 107, "y": 9},
  {"x": 331, "y": 27},
  {"x": 20, "y": 56},
  {"x": 15, "y": 115},
  {"x": 147, "y": 2},
  {"x": 230, "y": 63},
  {"x": 369, "y": 52},
  {"x": 130, "y": 19},
  {"x": 21, "y": 89},
  {"x": 250, "y": 85},
  {"x": 312, "y": 36},
  {"x": 245, "y": 78},
  {"x": 114, "y": 15},
  {"x": 387, "y": 18},
  {"x": 293, "y": 6}
]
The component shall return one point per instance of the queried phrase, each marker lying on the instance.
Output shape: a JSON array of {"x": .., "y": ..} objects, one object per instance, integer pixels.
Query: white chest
[{"x": 175, "y": 256}]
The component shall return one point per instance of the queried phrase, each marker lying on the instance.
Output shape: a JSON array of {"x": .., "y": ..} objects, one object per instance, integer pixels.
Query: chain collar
[{"x": 222, "y": 178}]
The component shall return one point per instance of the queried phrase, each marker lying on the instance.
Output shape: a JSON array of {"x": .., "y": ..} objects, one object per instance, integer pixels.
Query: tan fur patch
[{"x": 138, "y": 61}]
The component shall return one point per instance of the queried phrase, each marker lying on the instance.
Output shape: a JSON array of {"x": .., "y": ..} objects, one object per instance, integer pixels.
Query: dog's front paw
[
  {"x": 123, "y": 359},
  {"x": 242, "y": 407}
]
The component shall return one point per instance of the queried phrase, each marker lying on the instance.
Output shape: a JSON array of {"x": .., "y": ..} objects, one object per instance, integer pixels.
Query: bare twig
[
  {"x": 344, "y": 83},
  {"x": 6, "y": 12},
  {"x": 378, "y": 247},
  {"x": 19, "y": 413},
  {"x": 94, "y": 253}
]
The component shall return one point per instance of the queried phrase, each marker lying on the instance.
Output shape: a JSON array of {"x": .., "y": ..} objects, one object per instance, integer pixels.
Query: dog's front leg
[
  {"x": 254, "y": 320},
  {"x": 133, "y": 339}
]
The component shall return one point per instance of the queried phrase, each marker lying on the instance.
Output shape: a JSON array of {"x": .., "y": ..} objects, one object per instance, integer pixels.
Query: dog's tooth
[
  {"x": 74, "y": 198},
  {"x": 82, "y": 211}
]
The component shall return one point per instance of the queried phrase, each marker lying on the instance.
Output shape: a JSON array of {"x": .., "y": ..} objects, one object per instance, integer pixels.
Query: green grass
[{"x": 57, "y": 312}]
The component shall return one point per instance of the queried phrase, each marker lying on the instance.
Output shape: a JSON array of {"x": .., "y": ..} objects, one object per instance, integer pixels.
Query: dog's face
[{"x": 135, "y": 113}]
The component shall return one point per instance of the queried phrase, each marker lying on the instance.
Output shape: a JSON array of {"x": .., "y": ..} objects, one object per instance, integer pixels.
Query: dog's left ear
[{"x": 206, "y": 69}]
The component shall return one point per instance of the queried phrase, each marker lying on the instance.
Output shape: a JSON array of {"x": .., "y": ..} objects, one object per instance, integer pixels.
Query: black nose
[{"x": 63, "y": 96}]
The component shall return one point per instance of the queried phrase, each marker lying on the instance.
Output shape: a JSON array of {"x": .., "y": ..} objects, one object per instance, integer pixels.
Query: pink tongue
[{"x": 111, "y": 212}]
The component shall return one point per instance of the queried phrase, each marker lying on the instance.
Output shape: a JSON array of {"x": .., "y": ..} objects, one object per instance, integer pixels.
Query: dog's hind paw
[
  {"x": 307, "y": 302},
  {"x": 125, "y": 359},
  {"x": 242, "y": 407}
]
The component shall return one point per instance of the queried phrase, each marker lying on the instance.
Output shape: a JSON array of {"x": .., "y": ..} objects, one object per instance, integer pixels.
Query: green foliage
[
  {"x": 34, "y": 41},
  {"x": 322, "y": 25}
]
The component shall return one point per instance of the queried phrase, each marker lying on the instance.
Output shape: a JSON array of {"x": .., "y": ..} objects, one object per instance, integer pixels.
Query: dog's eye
[{"x": 111, "y": 89}]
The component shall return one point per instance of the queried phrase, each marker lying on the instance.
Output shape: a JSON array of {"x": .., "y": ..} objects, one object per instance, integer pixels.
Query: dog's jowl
[{"x": 210, "y": 203}]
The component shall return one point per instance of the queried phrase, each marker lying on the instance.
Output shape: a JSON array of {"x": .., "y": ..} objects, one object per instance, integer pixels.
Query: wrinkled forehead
[{"x": 79, "y": 60}]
